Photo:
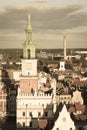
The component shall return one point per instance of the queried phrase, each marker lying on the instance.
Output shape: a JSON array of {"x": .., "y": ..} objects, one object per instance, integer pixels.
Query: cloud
[
  {"x": 44, "y": 18},
  {"x": 46, "y": 22}
]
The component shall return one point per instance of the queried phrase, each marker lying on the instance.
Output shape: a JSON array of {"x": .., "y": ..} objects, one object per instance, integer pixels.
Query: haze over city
[{"x": 50, "y": 19}]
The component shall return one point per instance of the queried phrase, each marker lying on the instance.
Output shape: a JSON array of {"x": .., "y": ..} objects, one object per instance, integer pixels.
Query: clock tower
[{"x": 28, "y": 78}]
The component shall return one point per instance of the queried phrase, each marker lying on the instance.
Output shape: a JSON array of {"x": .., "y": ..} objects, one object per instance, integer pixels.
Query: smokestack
[{"x": 64, "y": 44}]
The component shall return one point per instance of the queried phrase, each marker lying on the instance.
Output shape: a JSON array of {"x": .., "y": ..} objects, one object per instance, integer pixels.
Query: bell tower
[{"x": 29, "y": 46}]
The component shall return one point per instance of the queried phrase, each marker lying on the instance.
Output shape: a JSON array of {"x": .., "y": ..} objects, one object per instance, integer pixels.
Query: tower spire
[
  {"x": 29, "y": 30},
  {"x": 29, "y": 46},
  {"x": 29, "y": 22}
]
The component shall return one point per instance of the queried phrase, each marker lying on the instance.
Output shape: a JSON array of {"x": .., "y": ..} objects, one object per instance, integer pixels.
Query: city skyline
[{"x": 50, "y": 22}]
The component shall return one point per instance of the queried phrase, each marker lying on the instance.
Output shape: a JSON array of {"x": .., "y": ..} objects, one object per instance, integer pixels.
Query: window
[
  {"x": 30, "y": 124},
  {"x": 23, "y": 113},
  {"x": 30, "y": 113},
  {"x": 64, "y": 97},
  {"x": 70, "y": 128},
  {"x": 23, "y": 124},
  {"x": 28, "y": 73},
  {"x": 39, "y": 114},
  {"x": 32, "y": 91},
  {"x": 46, "y": 113},
  {"x": 61, "y": 66}
]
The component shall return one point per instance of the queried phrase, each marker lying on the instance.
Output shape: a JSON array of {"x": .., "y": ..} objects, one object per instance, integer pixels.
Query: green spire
[
  {"x": 29, "y": 30},
  {"x": 29, "y": 22}
]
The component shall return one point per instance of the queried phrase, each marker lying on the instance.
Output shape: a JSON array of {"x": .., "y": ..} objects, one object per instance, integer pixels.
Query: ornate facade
[{"x": 64, "y": 121}]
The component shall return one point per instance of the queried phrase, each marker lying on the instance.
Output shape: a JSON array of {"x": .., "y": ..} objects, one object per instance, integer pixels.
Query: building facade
[
  {"x": 64, "y": 121},
  {"x": 3, "y": 95}
]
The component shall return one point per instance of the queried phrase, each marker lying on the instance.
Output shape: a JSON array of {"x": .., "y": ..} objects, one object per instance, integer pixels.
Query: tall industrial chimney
[{"x": 64, "y": 44}]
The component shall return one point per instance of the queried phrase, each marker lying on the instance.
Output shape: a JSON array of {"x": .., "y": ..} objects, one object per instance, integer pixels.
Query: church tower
[
  {"x": 28, "y": 46},
  {"x": 29, "y": 79}
]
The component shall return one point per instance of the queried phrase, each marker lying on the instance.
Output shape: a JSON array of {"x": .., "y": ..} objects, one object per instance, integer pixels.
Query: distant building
[
  {"x": 62, "y": 66},
  {"x": 1, "y": 56},
  {"x": 42, "y": 55},
  {"x": 77, "y": 97}
]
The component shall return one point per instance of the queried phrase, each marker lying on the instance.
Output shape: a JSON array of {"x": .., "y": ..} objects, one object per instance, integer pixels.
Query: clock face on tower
[{"x": 64, "y": 119}]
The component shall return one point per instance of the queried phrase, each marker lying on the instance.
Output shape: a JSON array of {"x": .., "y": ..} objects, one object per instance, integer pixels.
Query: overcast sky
[{"x": 50, "y": 20}]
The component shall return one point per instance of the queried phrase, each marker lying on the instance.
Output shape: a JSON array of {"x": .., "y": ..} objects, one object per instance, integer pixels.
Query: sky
[{"x": 50, "y": 20}]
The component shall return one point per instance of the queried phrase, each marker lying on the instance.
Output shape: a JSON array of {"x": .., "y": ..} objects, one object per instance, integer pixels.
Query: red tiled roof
[
  {"x": 42, "y": 123},
  {"x": 71, "y": 109},
  {"x": 80, "y": 107},
  {"x": 81, "y": 117},
  {"x": 78, "y": 83}
]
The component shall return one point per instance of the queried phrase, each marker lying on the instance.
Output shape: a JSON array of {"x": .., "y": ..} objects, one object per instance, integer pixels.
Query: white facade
[
  {"x": 29, "y": 67},
  {"x": 62, "y": 66},
  {"x": 77, "y": 97},
  {"x": 64, "y": 122},
  {"x": 65, "y": 98},
  {"x": 31, "y": 107},
  {"x": 16, "y": 75}
]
